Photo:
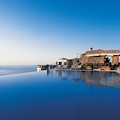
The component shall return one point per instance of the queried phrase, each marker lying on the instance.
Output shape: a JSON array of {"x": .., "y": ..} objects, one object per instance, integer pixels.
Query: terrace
[{"x": 93, "y": 59}]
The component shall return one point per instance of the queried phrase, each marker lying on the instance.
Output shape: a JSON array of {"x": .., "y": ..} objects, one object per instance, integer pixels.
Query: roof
[{"x": 100, "y": 51}]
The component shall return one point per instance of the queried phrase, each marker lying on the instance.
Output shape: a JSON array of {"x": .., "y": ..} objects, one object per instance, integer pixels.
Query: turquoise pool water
[{"x": 58, "y": 95}]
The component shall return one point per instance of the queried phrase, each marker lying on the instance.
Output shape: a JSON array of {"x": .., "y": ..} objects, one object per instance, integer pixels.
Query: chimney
[{"x": 91, "y": 48}]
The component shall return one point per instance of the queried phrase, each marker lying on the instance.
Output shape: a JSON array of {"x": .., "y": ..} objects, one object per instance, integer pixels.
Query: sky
[{"x": 42, "y": 31}]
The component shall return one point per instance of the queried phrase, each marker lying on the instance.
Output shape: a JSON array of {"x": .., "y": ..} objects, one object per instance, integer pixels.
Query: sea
[{"x": 16, "y": 69}]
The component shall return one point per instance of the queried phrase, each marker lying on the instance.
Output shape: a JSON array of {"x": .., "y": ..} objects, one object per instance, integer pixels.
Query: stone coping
[{"x": 117, "y": 71}]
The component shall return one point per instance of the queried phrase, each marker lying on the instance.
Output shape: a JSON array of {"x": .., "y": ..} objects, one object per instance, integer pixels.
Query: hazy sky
[{"x": 42, "y": 31}]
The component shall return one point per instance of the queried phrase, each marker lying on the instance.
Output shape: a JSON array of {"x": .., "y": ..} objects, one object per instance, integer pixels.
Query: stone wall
[
  {"x": 85, "y": 59},
  {"x": 115, "y": 60},
  {"x": 89, "y": 56},
  {"x": 69, "y": 63},
  {"x": 100, "y": 51},
  {"x": 76, "y": 61}
]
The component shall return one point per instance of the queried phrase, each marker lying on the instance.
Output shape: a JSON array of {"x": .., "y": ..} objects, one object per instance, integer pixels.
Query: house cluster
[{"x": 100, "y": 59}]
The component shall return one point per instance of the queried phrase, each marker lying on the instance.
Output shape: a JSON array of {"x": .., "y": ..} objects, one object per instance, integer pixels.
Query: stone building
[
  {"x": 98, "y": 56},
  {"x": 74, "y": 61}
]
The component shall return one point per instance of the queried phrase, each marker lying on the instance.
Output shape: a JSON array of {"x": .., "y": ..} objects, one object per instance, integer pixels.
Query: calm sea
[{"x": 16, "y": 69}]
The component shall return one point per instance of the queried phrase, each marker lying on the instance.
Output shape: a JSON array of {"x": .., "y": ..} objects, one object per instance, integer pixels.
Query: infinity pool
[{"x": 59, "y": 95}]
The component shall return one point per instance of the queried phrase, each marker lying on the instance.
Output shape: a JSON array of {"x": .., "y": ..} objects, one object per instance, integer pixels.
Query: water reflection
[
  {"x": 45, "y": 96},
  {"x": 49, "y": 72},
  {"x": 88, "y": 77},
  {"x": 111, "y": 81}
]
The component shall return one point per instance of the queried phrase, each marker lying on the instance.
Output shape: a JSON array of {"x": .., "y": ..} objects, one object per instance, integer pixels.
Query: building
[{"x": 98, "y": 56}]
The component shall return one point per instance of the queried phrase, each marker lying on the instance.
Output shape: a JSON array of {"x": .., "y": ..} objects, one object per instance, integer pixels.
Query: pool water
[{"x": 59, "y": 95}]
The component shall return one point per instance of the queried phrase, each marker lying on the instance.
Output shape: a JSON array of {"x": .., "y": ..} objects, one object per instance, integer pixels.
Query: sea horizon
[{"x": 59, "y": 60}]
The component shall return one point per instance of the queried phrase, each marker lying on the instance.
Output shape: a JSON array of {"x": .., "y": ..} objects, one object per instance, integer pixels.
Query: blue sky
[{"x": 42, "y": 31}]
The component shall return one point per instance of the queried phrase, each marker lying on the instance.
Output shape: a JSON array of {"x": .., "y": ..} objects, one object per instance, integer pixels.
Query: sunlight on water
[
  {"x": 6, "y": 72},
  {"x": 16, "y": 69}
]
